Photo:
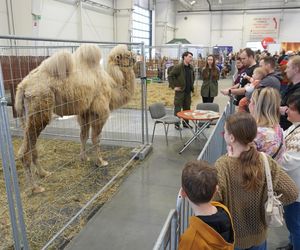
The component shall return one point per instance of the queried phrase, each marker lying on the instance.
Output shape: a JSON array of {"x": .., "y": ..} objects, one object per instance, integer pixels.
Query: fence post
[
  {"x": 10, "y": 175},
  {"x": 144, "y": 95},
  {"x": 174, "y": 238}
]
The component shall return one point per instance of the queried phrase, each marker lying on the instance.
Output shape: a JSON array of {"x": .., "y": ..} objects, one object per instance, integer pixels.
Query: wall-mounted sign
[{"x": 261, "y": 27}]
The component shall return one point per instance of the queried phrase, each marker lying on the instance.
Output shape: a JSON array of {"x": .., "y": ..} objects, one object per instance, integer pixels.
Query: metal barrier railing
[
  {"x": 177, "y": 220},
  {"x": 215, "y": 145},
  {"x": 16, "y": 52},
  {"x": 168, "y": 235}
]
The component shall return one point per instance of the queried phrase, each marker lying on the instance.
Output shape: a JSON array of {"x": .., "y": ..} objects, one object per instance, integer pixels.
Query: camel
[{"x": 72, "y": 84}]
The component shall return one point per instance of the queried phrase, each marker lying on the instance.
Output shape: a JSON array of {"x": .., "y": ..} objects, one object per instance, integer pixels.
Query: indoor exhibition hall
[{"x": 150, "y": 124}]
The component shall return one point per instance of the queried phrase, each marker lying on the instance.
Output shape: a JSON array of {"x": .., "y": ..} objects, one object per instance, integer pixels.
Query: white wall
[
  {"x": 97, "y": 26},
  {"x": 194, "y": 27},
  {"x": 21, "y": 17},
  {"x": 3, "y": 18},
  {"x": 165, "y": 21},
  {"x": 289, "y": 26},
  {"x": 123, "y": 20},
  {"x": 225, "y": 30},
  {"x": 233, "y": 28},
  {"x": 60, "y": 20}
]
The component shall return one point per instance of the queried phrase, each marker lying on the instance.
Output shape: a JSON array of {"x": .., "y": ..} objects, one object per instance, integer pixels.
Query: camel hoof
[
  {"x": 45, "y": 174},
  {"x": 103, "y": 163},
  {"x": 37, "y": 190},
  {"x": 83, "y": 157},
  {"x": 42, "y": 173}
]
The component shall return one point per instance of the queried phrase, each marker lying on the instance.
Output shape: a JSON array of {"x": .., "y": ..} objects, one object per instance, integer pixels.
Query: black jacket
[{"x": 292, "y": 88}]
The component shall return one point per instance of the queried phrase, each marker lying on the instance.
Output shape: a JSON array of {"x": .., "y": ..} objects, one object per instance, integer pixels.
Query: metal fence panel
[
  {"x": 126, "y": 126},
  {"x": 10, "y": 177},
  {"x": 160, "y": 58},
  {"x": 213, "y": 149},
  {"x": 168, "y": 236}
]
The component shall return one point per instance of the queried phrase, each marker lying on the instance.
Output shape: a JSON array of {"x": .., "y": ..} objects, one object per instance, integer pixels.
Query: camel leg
[
  {"x": 97, "y": 125},
  {"x": 84, "y": 123},
  {"x": 42, "y": 173},
  {"x": 25, "y": 157},
  {"x": 35, "y": 125}
]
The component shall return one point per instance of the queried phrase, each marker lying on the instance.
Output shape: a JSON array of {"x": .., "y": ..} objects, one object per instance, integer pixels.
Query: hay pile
[
  {"x": 160, "y": 92},
  {"x": 71, "y": 184}
]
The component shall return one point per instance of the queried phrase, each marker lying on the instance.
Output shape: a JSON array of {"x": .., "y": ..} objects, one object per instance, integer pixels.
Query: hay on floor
[
  {"x": 69, "y": 187},
  {"x": 160, "y": 92}
]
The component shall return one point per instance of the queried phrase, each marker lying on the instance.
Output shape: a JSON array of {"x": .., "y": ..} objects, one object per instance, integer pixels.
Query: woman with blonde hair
[
  {"x": 265, "y": 108},
  {"x": 242, "y": 182}
]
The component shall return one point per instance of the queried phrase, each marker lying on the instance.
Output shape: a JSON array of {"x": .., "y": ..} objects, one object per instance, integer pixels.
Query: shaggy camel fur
[{"x": 72, "y": 84}]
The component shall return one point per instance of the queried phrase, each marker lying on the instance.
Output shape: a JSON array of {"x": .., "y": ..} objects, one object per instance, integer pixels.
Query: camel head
[{"x": 121, "y": 56}]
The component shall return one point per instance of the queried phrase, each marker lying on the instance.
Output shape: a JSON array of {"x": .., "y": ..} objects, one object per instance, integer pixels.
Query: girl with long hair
[
  {"x": 242, "y": 182},
  {"x": 210, "y": 75}
]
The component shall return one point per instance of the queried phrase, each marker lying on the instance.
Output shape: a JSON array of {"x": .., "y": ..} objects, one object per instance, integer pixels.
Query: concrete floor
[{"x": 134, "y": 217}]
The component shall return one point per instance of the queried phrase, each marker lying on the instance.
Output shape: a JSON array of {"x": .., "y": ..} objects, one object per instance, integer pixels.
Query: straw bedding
[{"x": 71, "y": 184}]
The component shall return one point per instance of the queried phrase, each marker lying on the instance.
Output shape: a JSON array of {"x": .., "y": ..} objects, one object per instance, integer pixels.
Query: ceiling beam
[{"x": 239, "y": 9}]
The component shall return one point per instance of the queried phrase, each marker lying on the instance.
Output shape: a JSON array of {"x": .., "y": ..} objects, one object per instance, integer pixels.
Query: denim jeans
[
  {"x": 292, "y": 220},
  {"x": 262, "y": 246}
]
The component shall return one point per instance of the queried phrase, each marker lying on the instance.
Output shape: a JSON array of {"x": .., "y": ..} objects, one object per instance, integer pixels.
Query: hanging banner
[{"x": 263, "y": 26}]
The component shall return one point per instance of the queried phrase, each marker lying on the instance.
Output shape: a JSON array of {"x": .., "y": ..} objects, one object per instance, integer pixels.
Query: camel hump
[
  {"x": 89, "y": 54},
  {"x": 59, "y": 65}
]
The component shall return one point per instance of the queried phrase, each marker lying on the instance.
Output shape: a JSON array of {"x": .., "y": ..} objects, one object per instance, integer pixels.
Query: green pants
[{"x": 182, "y": 101}]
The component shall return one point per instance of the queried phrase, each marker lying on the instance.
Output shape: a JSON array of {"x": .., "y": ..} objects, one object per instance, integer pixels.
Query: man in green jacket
[{"x": 181, "y": 79}]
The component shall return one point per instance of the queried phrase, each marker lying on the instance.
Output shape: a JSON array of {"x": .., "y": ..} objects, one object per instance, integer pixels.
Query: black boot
[
  {"x": 187, "y": 125},
  {"x": 177, "y": 126}
]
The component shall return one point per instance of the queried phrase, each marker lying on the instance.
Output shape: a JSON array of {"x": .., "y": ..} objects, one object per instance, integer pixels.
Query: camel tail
[{"x": 59, "y": 65}]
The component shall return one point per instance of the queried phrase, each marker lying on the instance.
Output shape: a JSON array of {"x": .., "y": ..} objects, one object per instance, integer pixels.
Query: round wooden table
[{"x": 201, "y": 119}]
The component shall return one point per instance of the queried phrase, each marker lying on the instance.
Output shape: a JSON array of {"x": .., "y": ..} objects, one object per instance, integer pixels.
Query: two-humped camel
[{"x": 72, "y": 84}]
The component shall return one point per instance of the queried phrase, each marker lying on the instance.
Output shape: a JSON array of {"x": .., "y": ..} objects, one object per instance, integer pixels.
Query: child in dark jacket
[{"x": 211, "y": 226}]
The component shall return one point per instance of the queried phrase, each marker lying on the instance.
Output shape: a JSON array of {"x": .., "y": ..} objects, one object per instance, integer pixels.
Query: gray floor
[{"x": 134, "y": 217}]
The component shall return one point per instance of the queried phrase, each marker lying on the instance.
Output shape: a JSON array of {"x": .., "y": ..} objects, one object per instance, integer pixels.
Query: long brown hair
[
  {"x": 214, "y": 71},
  {"x": 244, "y": 129}
]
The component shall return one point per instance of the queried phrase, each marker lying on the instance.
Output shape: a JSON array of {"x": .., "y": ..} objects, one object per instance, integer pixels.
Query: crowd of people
[{"x": 228, "y": 200}]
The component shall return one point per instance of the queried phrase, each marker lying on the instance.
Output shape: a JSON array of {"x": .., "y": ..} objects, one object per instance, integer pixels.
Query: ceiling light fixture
[
  {"x": 220, "y": 1},
  {"x": 192, "y": 2}
]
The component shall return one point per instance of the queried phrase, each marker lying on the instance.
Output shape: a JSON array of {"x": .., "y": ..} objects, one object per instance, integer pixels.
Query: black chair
[{"x": 159, "y": 115}]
